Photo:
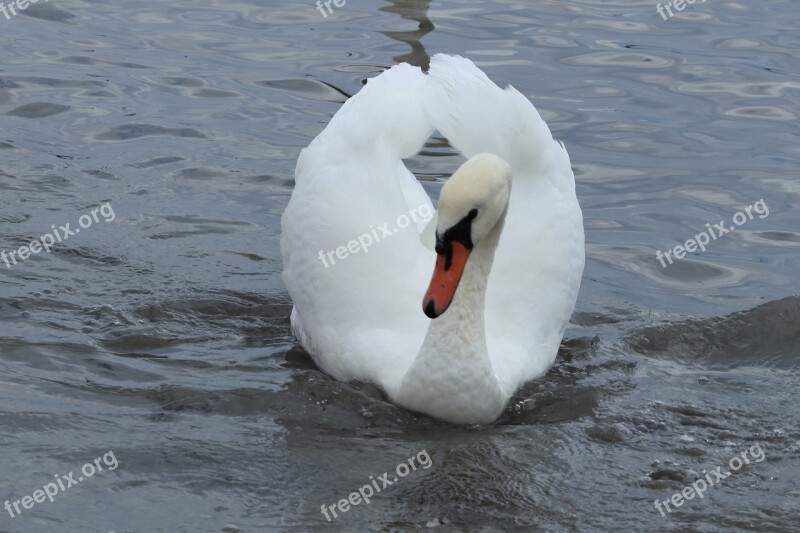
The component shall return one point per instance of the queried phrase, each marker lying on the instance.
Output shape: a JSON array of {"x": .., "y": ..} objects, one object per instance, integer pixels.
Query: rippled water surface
[{"x": 161, "y": 332}]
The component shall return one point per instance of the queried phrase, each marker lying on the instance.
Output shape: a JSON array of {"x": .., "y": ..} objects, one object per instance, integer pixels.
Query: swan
[{"x": 452, "y": 312}]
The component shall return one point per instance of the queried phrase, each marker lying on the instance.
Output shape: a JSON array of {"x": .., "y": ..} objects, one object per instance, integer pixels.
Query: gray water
[{"x": 160, "y": 341}]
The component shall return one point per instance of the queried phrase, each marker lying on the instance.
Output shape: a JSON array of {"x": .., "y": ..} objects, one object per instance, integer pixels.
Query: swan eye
[{"x": 461, "y": 233}]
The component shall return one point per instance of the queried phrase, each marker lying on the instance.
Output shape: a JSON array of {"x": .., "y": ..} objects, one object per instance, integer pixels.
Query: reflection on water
[
  {"x": 164, "y": 335},
  {"x": 416, "y": 10}
]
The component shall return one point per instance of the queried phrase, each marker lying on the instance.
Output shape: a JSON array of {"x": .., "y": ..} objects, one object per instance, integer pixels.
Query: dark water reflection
[{"x": 163, "y": 335}]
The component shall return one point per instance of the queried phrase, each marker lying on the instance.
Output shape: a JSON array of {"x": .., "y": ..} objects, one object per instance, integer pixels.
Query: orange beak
[{"x": 446, "y": 276}]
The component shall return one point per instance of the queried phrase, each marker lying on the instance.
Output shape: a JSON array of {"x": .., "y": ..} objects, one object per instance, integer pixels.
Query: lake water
[{"x": 157, "y": 338}]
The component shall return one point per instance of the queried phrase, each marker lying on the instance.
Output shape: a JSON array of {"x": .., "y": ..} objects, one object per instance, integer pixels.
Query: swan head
[{"x": 472, "y": 204}]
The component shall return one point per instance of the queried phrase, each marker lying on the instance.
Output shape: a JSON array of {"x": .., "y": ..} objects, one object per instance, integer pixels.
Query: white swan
[{"x": 509, "y": 262}]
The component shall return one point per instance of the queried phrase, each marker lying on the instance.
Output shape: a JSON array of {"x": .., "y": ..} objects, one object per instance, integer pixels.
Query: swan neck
[
  {"x": 452, "y": 376},
  {"x": 465, "y": 316}
]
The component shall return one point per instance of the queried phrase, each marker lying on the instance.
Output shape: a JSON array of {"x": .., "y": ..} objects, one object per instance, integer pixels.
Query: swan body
[{"x": 506, "y": 246}]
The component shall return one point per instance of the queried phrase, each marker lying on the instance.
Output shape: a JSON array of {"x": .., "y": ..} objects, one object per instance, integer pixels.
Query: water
[{"x": 162, "y": 335}]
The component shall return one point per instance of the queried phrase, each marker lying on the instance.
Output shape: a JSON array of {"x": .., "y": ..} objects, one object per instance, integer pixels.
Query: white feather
[{"x": 361, "y": 317}]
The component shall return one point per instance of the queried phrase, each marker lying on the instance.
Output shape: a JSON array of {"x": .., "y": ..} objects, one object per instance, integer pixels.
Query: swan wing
[
  {"x": 360, "y": 316},
  {"x": 358, "y": 311},
  {"x": 539, "y": 261}
]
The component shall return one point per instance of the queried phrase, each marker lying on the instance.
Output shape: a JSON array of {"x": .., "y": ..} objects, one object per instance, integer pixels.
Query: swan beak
[{"x": 446, "y": 275}]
